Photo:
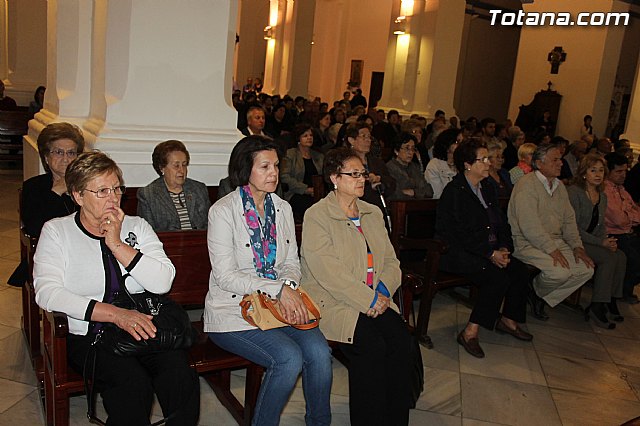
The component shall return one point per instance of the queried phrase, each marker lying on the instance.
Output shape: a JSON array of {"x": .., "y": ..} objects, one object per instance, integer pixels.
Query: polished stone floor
[{"x": 571, "y": 374}]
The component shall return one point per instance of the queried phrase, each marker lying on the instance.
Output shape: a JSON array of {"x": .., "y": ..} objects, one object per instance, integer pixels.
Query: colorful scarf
[
  {"x": 525, "y": 167},
  {"x": 263, "y": 238}
]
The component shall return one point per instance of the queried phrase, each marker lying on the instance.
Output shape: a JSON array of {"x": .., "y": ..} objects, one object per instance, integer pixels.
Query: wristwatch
[{"x": 294, "y": 285}]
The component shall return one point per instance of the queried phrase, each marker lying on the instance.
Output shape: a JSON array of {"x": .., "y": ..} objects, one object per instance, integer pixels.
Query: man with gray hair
[{"x": 545, "y": 233}]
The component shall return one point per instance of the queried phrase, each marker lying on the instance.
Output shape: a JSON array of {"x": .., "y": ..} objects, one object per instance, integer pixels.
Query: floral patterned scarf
[{"x": 263, "y": 238}]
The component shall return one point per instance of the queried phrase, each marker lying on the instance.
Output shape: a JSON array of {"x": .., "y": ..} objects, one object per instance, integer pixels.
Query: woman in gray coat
[
  {"x": 590, "y": 204},
  {"x": 173, "y": 201},
  {"x": 300, "y": 164}
]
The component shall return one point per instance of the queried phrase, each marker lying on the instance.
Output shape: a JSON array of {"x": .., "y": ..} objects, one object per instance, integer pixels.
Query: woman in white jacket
[
  {"x": 81, "y": 264},
  {"x": 252, "y": 246}
]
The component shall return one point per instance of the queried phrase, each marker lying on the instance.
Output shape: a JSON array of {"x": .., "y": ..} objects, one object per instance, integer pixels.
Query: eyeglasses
[
  {"x": 482, "y": 160},
  {"x": 365, "y": 137},
  {"x": 356, "y": 174},
  {"x": 408, "y": 148},
  {"x": 61, "y": 153},
  {"x": 105, "y": 192}
]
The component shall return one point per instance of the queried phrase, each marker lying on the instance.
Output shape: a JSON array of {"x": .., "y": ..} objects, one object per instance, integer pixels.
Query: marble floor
[{"x": 571, "y": 374}]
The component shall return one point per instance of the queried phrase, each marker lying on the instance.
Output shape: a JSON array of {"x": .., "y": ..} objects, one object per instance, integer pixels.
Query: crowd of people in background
[{"x": 572, "y": 214}]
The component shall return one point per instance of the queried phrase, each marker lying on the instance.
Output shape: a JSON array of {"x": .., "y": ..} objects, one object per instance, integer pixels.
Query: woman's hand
[
  {"x": 110, "y": 228},
  {"x": 409, "y": 192},
  {"x": 293, "y": 308},
  {"x": 381, "y": 305},
  {"x": 610, "y": 243},
  {"x": 374, "y": 178},
  {"x": 137, "y": 324}
]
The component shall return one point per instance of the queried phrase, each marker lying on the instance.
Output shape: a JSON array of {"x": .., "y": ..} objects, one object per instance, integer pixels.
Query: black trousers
[
  {"x": 127, "y": 384},
  {"x": 494, "y": 286},
  {"x": 379, "y": 371}
]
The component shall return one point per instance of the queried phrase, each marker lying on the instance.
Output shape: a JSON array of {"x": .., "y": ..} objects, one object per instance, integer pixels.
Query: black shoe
[
  {"x": 614, "y": 311},
  {"x": 537, "y": 307},
  {"x": 518, "y": 333},
  {"x": 598, "y": 313}
]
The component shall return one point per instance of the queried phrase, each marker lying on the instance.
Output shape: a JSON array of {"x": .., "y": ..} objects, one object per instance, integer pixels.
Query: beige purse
[{"x": 263, "y": 312}]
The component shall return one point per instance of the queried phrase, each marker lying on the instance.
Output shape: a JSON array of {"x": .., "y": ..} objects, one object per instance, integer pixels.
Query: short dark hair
[
  {"x": 299, "y": 130},
  {"x": 162, "y": 151},
  {"x": 486, "y": 121},
  {"x": 439, "y": 112},
  {"x": 54, "y": 132},
  {"x": 392, "y": 112},
  {"x": 466, "y": 153},
  {"x": 403, "y": 138},
  {"x": 243, "y": 155},
  {"x": 353, "y": 129},
  {"x": 615, "y": 159},
  {"x": 587, "y": 117},
  {"x": 443, "y": 143},
  {"x": 334, "y": 161}
]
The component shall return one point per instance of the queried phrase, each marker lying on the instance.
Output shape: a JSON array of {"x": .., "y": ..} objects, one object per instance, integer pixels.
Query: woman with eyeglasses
[
  {"x": 82, "y": 263},
  {"x": 470, "y": 221},
  {"x": 350, "y": 268},
  {"x": 441, "y": 170},
  {"x": 45, "y": 197},
  {"x": 173, "y": 201},
  {"x": 410, "y": 182}
]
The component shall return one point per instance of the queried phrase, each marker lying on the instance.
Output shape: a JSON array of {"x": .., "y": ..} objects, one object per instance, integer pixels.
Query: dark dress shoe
[
  {"x": 537, "y": 307},
  {"x": 518, "y": 333},
  {"x": 472, "y": 346},
  {"x": 614, "y": 311},
  {"x": 598, "y": 313}
]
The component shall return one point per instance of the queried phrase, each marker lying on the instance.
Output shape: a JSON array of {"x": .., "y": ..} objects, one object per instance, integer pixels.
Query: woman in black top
[
  {"x": 470, "y": 221},
  {"x": 45, "y": 197}
]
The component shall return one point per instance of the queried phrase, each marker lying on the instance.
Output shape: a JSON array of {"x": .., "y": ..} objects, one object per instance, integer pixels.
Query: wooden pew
[
  {"x": 188, "y": 252},
  {"x": 13, "y": 125}
]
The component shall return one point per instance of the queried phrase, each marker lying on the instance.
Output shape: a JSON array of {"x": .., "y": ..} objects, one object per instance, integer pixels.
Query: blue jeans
[{"x": 284, "y": 352}]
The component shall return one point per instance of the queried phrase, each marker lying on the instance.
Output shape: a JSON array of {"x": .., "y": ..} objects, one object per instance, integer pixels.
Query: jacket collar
[{"x": 335, "y": 211}]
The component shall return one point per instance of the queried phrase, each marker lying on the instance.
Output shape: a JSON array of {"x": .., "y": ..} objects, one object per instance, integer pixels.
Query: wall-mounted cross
[{"x": 556, "y": 57}]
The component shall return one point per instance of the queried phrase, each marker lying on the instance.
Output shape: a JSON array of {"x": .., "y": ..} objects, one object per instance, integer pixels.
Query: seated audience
[
  {"x": 410, "y": 182},
  {"x": 421, "y": 157},
  {"x": 587, "y": 128},
  {"x": 343, "y": 239},
  {"x": 515, "y": 139},
  {"x": 525, "y": 153},
  {"x": 470, "y": 221},
  {"x": 441, "y": 168},
  {"x": 80, "y": 267},
  {"x": 255, "y": 122},
  {"x": 545, "y": 233},
  {"x": 45, "y": 196},
  {"x": 622, "y": 215},
  {"x": 602, "y": 146},
  {"x": 498, "y": 177},
  {"x": 252, "y": 246},
  {"x": 277, "y": 122},
  {"x": 378, "y": 181},
  {"x": 298, "y": 167},
  {"x": 173, "y": 201},
  {"x": 577, "y": 150},
  {"x": 38, "y": 101},
  {"x": 7, "y": 103},
  {"x": 321, "y": 132},
  {"x": 586, "y": 194}
]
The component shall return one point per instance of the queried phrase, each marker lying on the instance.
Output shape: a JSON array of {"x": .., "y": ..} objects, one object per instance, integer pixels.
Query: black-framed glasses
[
  {"x": 105, "y": 192},
  {"x": 482, "y": 160},
  {"x": 61, "y": 153},
  {"x": 355, "y": 174}
]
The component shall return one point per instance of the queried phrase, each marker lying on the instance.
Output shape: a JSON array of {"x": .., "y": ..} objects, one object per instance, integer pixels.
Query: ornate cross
[{"x": 556, "y": 57}]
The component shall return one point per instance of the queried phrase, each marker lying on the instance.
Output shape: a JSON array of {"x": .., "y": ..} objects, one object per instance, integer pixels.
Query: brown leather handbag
[{"x": 263, "y": 312}]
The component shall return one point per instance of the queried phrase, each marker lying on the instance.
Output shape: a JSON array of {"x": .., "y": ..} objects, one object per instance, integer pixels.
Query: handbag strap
[
  {"x": 245, "y": 304},
  {"x": 307, "y": 303}
]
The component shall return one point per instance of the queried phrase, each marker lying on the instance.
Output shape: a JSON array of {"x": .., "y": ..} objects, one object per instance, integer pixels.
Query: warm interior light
[
  {"x": 406, "y": 7},
  {"x": 268, "y": 32},
  {"x": 400, "y": 25}
]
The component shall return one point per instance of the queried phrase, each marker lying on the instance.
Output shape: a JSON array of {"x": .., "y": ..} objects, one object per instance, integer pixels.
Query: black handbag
[{"x": 174, "y": 329}]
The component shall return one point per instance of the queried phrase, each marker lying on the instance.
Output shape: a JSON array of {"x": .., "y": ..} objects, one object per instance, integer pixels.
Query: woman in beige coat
[{"x": 349, "y": 267}]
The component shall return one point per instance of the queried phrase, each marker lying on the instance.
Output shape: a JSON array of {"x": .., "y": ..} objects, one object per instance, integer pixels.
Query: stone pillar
[
  {"x": 288, "y": 57},
  {"x": 157, "y": 71},
  {"x": 586, "y": 79},
  {"x": 23, "y": 44},
  {"x": 422, "y": 64},
  {"x": 632, "y": 130}
]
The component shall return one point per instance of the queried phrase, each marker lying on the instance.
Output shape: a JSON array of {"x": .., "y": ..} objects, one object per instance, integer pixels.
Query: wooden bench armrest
[
  {"x": 59, "y": 324},
  {"x": 431, "y": 245}
]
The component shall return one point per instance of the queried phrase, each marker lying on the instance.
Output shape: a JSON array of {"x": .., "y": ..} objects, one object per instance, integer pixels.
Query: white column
[
  {"x": 422, "y": 64},
  {"x": 632, "y": 130},
  {"x": 157, "y": 70}
]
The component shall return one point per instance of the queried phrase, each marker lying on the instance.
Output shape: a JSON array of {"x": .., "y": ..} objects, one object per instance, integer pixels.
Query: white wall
[{"x": 587, "y": 77}]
